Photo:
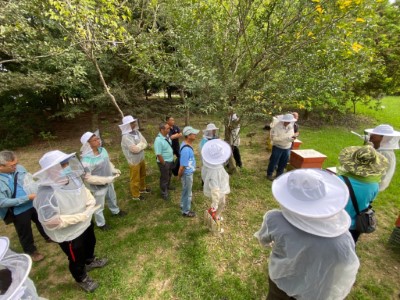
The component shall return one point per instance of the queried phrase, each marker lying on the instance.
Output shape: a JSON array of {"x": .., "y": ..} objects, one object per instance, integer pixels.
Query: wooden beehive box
[
  {"x": 296, "y": 144},
  {"x": 307, "y": 158}
]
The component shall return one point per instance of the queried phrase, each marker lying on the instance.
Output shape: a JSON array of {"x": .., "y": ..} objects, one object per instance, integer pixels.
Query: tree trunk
[
  {"x": 182, "y": 94},
  {"x": 227, "y": 137},
  {"x": 106, "y": 88}
]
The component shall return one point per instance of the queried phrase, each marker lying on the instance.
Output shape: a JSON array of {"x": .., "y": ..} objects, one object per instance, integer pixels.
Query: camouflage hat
[{"x": 363, "y": 161}]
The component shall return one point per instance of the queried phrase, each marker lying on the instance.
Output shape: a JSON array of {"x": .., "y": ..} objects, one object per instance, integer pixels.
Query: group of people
[
  {"x": 314, "y": 233},
  {"x": 214, "y": 155},
  {"x": 67, "y": 192}
]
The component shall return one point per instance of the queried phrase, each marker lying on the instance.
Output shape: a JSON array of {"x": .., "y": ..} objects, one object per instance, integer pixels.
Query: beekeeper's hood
[
  {"x": 58, "y": 168},
  {"x": 391, "y": 137},
  {"x": 86, "y": 149},
  {"x": 15, "y": 269},
  {"x": 126, "y": 124}
]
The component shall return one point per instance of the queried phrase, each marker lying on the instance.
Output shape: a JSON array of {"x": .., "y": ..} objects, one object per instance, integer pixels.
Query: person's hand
[
  {"x": 32, "y": 196},
  {"x": 116, "y": 176},
  {"x": 134, "y": 149},
  {"x": 117, "y": 171}
]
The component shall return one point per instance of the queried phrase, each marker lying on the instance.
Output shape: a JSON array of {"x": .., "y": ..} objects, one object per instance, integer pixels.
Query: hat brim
[
  {"x": 347, "y": 163},
  {"x": 57, "y": 161},
  {"x": 192, "y": 131},
  {"x": 226, "y": 152},
  {"x": 4, "y": 245},
  {"x": 335, "y": 199},
  {"x": 371, "y": 131},
  {"x": 283, "y": 120}
]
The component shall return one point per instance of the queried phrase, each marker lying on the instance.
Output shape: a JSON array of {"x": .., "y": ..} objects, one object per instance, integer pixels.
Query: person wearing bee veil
[
  {"x": 65, "y": 208},
  {"x": 313, "y": 253}
]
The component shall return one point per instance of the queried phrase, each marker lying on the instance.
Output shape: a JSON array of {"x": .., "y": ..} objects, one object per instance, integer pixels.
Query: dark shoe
[
  {"x": 270, "y": 177},
  {"x": 88, "y": 284},
  {"x": 105, "y": 227},
  {"x": 36, "y": 256},
  {"x": 145, "y": 191},
  {"x": 121, "y": 214},
  {"x": 171, "y": 188},
  {"x": 189, "y": 214},
  {"x": 166, "y": 197},
  {"x": 96, "y": 263}
]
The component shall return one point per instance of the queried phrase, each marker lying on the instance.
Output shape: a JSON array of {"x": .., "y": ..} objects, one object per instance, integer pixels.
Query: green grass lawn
[{"x": 155, "y": 253}]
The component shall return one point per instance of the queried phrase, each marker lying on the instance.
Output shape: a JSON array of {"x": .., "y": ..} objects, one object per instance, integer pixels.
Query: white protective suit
[
  {"x": 216, "y": 185},
  {"x": 133, "y": 144},
  {"x": 307, "y": 266},
  {"x": 64, "y": 205},
  {"x": 387, "y": 177}
]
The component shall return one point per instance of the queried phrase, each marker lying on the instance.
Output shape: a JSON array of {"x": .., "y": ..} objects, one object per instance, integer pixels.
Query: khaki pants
[{"x": 137, "y": 178}]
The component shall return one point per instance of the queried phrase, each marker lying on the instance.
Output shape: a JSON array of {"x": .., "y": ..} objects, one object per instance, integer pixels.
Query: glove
[{"x": 134, "y": 149}]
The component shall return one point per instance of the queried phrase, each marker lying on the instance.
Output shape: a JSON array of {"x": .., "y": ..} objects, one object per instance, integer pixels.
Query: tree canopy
[{"x": 59, "y": 58}]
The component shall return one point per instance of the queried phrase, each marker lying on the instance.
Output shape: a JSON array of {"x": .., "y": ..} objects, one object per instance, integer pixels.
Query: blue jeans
[
  {"x": 186, "y": 197},
  {"x": 279, "y": 157}
]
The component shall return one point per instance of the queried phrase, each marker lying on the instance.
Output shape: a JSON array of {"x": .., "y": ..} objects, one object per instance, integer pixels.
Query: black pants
[
  {"x": 276, "y": 293},
  {"x": 355, "y": 234},
  {"x": 23, "y": 226},
  {"x": 80, "y": 252},
  {"x": 236, "y": 156},
  {"x": 165, "y": 177}
]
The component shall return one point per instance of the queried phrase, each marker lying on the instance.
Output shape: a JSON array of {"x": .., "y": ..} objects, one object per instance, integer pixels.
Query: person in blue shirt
[
  {"x": 364, "y": 167},
  {"x": 186, "y": 170},
  {"x": 20, "y": 202},
  {"x": 165, "y": 159}
]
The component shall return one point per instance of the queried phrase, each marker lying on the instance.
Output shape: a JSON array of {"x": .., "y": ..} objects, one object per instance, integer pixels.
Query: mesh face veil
[{"x": 67, "y": 173}]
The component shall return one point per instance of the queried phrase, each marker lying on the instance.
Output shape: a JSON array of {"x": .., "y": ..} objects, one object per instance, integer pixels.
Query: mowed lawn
[{"x": 155, "y": 253}]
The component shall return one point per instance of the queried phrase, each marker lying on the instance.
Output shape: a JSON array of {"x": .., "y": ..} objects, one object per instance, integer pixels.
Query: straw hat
[
  {"x": 363, "y": 161},
  {"x": 216, "y": 152},
  {"x": 313, "y": 200},
  {"x": 286, "y": 118}
]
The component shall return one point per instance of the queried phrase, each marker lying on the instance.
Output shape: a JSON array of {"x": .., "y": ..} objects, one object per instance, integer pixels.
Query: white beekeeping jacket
[
  {"x": 387, "y": 177},
  {"x": 307, "y": 266},
  {"x": 214, "y": 177},
  {"x": 133, "y": 144},
  {"x": 64, "y": 213}
]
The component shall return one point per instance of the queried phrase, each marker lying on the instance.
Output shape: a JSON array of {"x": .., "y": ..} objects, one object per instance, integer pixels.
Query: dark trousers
[
  {"x": 165, "y": 177},
  {"x": 80, "y": 252},
  {"x": 23, "y": 226},
  {"x": 276, "y": 293},
  {"x": 279, "y": 157},
  {"x": 355, "y": 234},
  {"x": 236, "y": 156}
]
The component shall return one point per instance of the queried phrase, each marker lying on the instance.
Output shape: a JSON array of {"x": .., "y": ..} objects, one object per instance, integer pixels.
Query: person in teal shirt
[
  {"x": 364, "y": 167},
  {"x": 165, "y": 159}
]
